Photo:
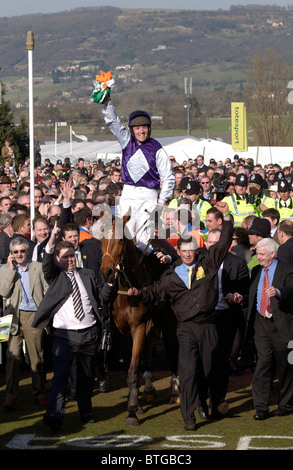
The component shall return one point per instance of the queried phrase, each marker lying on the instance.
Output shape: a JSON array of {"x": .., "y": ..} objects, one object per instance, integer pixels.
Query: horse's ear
[
  {"x": 127, "y": 233},
  {"x": 126, "y": 218}
]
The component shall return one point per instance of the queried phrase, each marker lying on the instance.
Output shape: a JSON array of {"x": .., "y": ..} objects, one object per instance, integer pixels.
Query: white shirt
[
  {"x": 65, "y": 318},
  {"x": 35, "y": 252}
]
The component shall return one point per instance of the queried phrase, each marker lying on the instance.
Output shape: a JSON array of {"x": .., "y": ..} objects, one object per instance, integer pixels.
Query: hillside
[
  {"x": 152, "y": 42},
  {"x": 149, "y": 51}
]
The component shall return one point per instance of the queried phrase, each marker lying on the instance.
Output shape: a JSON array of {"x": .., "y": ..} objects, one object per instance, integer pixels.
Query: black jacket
[
  {"x": 60, "y": 289},
  {"x": 197, "y": 303},
  {"x": 285, "y": 252},
  {"x": 281, "y": 308}
]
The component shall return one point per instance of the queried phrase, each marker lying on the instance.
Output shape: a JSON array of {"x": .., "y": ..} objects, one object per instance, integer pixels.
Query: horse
[{"x": 122, "y": 264}]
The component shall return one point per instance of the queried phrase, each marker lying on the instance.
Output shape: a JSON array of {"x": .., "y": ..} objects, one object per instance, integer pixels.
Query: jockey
[{"x": 145, "y": 173}]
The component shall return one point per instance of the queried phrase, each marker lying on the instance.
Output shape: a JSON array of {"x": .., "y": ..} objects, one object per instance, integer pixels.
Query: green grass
[
  {"x": 159, "y": 424},
  {"x": 219, "y": 125}
]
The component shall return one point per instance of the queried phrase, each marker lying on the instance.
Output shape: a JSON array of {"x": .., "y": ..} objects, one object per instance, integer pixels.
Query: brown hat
[{"x": 5, "y": 180}]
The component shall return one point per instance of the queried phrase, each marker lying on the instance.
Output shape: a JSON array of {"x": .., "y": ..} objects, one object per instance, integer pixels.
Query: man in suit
[
  {"x": 270, "y": 316},
  {"x": 88, "y": 252},
  {"x": 75, "y": 334},
  {"x": 88, "y": 255},
  {"x": 41, "y": 232},
  {"x": 233, "y": 286},
  {"x": 22, "y": 283},
  {"x": 273, "y": 216},
  {"x": 285, "y": 236},
  {"x": 192, "y": 288},
  {"x": 21, "y": 226}
]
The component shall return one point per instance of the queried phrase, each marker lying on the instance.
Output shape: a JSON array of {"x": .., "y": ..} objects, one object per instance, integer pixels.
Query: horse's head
[{"x": 113, "y": 246}]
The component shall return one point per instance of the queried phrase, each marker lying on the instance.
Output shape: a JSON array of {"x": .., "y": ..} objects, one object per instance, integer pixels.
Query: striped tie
[{"x": 78, "y": 308}]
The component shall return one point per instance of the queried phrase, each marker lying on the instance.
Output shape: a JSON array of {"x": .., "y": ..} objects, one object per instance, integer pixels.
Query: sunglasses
[{"x": 15, "y": 252}]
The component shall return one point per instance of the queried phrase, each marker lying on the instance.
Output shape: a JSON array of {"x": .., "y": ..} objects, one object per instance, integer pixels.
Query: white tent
[
  {"x": 190, "y": 147},
  {"x": 106, "y": 150},
  {"x": 182, "y": 148},
  {"x": 209, "y": 148}
]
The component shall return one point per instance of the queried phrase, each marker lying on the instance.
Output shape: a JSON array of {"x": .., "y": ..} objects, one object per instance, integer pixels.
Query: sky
[{"x": 23, "y": 7}]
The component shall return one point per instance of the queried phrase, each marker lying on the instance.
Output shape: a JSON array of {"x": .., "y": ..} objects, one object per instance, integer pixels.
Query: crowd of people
[{"x": 230, "y": 221}]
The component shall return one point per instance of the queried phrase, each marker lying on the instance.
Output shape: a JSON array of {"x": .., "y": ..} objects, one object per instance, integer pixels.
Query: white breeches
[{"x": 139, "y": 202}]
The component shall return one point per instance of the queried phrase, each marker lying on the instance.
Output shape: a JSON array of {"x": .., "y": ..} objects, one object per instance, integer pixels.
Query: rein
[
  {"x": 119, "y": 267},
  {"x": 107, "y": 253}
]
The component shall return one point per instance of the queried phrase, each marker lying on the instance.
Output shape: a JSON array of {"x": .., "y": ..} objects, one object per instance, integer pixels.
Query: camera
[{"x": 220, "y": 191}]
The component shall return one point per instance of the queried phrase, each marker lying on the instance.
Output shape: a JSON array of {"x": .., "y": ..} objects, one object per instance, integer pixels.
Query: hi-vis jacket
[
  {"x": 239, "y": 208},
  {"x": 285, "y": 212}
]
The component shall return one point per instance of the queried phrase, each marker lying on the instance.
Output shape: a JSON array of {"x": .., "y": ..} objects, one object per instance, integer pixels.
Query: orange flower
[{"x": 103, "y": 78}]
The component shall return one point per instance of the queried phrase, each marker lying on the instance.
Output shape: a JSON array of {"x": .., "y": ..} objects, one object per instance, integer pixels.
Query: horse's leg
[
  {"x": 138, "y": 341},
  {"x": 149, "y": 389},
  {"x": 175, "y": 390}
]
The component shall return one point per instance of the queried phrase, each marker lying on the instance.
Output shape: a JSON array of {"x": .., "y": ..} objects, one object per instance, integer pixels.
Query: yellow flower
[{"x": 200, "y": 273}]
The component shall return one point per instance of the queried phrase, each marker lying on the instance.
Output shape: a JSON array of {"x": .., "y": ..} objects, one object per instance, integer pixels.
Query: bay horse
[{"x": 121, "y": 264}]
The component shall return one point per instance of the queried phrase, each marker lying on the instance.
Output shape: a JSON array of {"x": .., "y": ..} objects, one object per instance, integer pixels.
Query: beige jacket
[{"x": 10, "y": 289}]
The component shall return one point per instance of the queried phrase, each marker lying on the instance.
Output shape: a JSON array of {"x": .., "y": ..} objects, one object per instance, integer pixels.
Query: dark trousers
[
  {"x": 67, "y": 346},
  {"x": 196, "y": 345},
  {"x": 226, "y": 325},
  {"x": 269, "y": 345}
]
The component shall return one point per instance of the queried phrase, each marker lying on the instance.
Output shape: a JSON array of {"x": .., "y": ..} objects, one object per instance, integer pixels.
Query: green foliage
[
  {"x": 160, "y": 46},
  {"x": 108, "y": 36},
  {"x": 17, "y": 135}
]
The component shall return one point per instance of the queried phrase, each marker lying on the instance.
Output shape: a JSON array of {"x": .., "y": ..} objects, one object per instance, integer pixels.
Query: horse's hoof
[
  {"x": 139, "y": 410},
  {"x": 150, "y": 396},
  {"x": 175, "y": 399},
  {"x": 131, "y": 421}
]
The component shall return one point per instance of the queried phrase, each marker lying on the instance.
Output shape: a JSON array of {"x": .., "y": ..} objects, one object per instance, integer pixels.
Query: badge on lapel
[{"x": 199, "y": 273}]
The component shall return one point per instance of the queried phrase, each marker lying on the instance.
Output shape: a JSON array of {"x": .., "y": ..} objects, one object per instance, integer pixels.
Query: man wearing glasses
[
  {"x": 23, "y": 285},
  {"x": 206, "y": 185}
]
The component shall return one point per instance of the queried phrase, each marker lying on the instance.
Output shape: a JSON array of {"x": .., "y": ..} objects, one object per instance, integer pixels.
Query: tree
[
  {"x": 17, "y": 135},
  {"x": 266, "y": 96}
]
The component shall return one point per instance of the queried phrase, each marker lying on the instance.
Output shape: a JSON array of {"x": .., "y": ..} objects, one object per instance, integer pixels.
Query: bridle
[
  {"x": 118, "y": 266},
  {"x": 107, "y": 253}
]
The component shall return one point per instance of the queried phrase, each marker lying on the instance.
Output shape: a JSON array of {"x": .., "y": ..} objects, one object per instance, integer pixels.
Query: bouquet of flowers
[{"x": 103, "y": 84}]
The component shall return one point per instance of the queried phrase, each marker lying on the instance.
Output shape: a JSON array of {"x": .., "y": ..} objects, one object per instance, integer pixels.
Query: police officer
[
  {"x": 291, "y": 188},
  {"x": 285, "y": 202},
  {"x": 256, "y": 195},
  {"x": 237, "y": 202},
  {"x": 193, "y": 192}
]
